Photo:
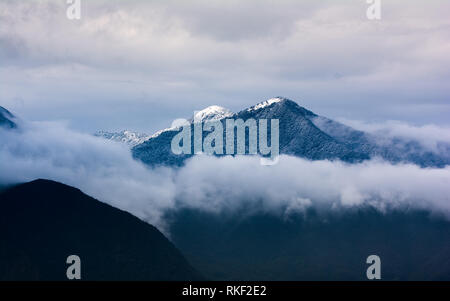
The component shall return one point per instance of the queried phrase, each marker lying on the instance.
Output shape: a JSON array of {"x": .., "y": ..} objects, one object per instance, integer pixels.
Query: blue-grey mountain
[
  {"x": 6, "y": 119},
  {"x": 303, "y": 134}
]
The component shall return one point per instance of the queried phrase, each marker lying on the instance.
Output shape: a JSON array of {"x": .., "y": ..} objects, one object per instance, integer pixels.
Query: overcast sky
[{"x": 140, "y": 64}]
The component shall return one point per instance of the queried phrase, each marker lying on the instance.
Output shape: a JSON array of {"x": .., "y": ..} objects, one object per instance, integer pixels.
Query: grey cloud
[{"x": 186, "y": 55}]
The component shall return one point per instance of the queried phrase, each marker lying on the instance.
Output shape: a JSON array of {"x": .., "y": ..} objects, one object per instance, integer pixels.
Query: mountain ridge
[
  {"x": 302, "y": 134},
  {"x": 42, "y": 222}
]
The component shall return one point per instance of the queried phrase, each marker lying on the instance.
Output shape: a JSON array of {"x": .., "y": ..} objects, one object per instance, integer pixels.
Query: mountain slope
[
  {"x": 395, "y": 150},
  {"x": 6, "y": 119},
  {"x": 43, "y": 222},
  {"x": 302, "y": 134},
  {"x": 412, "y": 245},
  {"x": 299, "y": 136}
]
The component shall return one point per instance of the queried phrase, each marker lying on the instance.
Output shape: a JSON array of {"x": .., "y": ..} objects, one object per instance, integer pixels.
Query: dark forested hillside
[
  {"x": 411, "y": 245},
  {"x": 43, "y": 222}
]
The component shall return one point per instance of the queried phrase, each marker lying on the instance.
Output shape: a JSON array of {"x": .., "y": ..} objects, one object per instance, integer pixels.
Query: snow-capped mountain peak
[
  {"x": 127, "y": 137},
  {"x": 265, "y": 103},
  {"x": 212, "y": 113}
]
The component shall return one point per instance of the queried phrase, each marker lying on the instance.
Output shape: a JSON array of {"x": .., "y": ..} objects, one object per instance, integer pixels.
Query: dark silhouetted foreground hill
[{"x": 43, "y": 222}]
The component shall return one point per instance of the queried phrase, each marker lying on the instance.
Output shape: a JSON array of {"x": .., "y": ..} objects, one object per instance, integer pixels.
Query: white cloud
[
  {"x": 101, "y": 168},
  {"x": 429, "y": 135},
  {"x": 216, "y": 184},
  {"x": 106, "y": 171}
]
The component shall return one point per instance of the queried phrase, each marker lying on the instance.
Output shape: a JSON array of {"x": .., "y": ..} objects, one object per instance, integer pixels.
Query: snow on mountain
[
  {"x": 212, "y": 113},
  {"x": 127, "y": 137},
  {"x": 298, "y": 135},
  {"x": 266, "y": 103},
  {"x": 162, "y": 131}
]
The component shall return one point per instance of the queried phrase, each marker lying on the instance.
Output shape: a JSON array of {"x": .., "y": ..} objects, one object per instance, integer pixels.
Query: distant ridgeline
[{"x": 302, "y": 133}]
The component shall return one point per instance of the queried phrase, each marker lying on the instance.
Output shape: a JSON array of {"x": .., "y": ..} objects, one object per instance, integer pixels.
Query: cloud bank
[
  {"x": 106, "y": 171},
  {"x": 431, "y": 136},
  {"x": 216, "y": 184},
  {"x": 165, "y": 59},
  {"x": 100, "y": 168}
]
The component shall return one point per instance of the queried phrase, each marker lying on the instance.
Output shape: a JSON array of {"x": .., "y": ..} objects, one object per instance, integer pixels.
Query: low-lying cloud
[
  {"x": 107, "y": 171},
  {"x": 215, "y": 184},
  {"x": 430, "y": 136},
  {"x": 101, "y": 168}
]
